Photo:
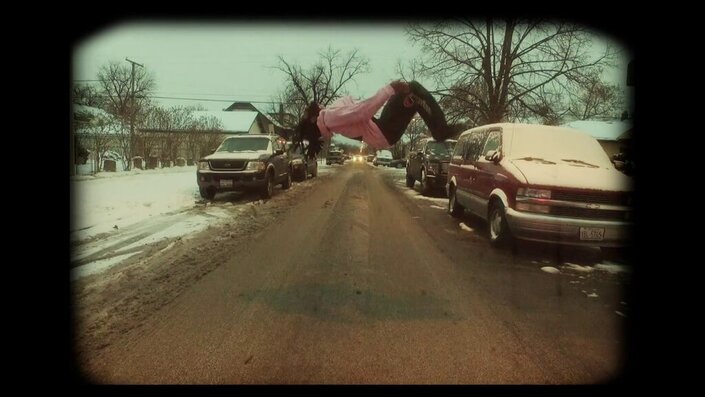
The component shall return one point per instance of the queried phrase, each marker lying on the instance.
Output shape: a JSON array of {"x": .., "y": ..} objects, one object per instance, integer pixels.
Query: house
[
  {"x": 611, "y": 134},
  {"x": 101, "y": 134},
  {"x": 239, "y": 122},
  {"x": 271, "y": 123}
]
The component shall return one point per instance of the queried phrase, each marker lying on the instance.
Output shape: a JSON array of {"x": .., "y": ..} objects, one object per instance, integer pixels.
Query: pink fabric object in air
[{"x": 354, "y": 119}]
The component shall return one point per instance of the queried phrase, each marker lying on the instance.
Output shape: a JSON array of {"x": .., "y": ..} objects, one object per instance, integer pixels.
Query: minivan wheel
[
  {"x": 268, "y": 187},
  {"x": 454, "y": 209},
  {"x": 500, "y": 235},
  {"x": 409, "y": 180},
  {"x": 425, "y": 188},
  {"x": 287, "y": 182}
]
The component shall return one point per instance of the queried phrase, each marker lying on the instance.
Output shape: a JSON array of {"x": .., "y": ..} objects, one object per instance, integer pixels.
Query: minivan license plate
[
  {"x": 592, "y": 233},
  {"x": 226, "y": 183}
]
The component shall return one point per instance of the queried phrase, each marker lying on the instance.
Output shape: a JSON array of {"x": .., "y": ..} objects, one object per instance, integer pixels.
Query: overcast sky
[{"x": 234, "y": 62}]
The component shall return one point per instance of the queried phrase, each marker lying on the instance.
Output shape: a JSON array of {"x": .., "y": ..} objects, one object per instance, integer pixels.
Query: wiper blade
[
  {"x": 580, "y": 162},
  {"x": 536, "y": 159}
]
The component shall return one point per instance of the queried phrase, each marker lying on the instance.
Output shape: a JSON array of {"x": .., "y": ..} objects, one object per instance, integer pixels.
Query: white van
[{"x": 384, "y": 157}]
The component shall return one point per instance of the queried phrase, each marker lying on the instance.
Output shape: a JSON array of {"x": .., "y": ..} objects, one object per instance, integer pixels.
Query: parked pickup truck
[{"x": 245, "y": 162}]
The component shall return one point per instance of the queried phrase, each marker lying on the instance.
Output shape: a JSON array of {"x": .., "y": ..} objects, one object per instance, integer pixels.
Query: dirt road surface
[{"x": 352, "y": 280}]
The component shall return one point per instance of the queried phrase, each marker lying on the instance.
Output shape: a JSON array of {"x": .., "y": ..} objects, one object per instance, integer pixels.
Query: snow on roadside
[
  {"x": 578, "y": 268},
  {"x": 550, "y": 269},
  {"x": 191, "y": 225},
  {"x": 612, "y": 267},
  {"x": 606, "y": 266},
  {"x": 438, "y": 207},
  {"x": 466, "y": 227},
  {"x": 123, "y": 198},
  {"x": 98, "y": 266},
  {"x": 324, "y": 169}
]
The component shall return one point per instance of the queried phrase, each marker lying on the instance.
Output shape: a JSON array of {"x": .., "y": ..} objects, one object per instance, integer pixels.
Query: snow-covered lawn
[{"x": 122, "y": 198}]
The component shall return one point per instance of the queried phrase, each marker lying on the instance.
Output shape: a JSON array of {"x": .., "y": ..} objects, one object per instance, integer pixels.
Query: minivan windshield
[
  {"x": 243, "y": 144},
  {"x": 554, "y": 145}
]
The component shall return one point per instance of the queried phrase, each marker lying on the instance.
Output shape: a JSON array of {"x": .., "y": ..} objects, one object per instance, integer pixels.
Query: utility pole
[{"x": 132, "y": 116}]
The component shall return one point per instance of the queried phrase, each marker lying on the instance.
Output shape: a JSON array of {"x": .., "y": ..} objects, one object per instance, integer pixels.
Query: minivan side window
[
  {"x": 458, "y": 153},
  {"x": 474, "y": 145},
  {"x": 494, "y": 141}
]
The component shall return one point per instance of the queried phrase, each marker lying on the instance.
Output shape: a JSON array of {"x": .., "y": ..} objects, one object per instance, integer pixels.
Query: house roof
[
  {"x": 242, "y": 106},
  {"x": 232, "y": 121},
  {"x": 606, "y": 130},
  {"x": 98, "y": 122},
  {"x": 93, "y": 111}
]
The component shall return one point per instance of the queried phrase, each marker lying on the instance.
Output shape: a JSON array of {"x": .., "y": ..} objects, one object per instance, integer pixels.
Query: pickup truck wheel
[
  {"x": 499, "y": 232},
  {"x": 425, "y": 187},
  {"x": 409, "y": 180},
  {"x": 454, "y": 209},
  {"x": 287, "y": 182},
  {"x": 268, "y": 187},
  {"x": 208, "y": 193}
]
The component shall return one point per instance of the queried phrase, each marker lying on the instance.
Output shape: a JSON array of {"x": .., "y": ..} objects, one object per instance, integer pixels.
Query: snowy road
[
  {"x": 117, "y": 215},
  {"x": 347, "y": 278}
]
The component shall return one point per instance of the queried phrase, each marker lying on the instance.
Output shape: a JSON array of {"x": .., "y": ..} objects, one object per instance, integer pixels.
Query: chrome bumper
[{"x": 561, "y": 230}]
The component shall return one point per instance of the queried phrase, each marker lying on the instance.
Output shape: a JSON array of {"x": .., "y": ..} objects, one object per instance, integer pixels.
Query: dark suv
[
  {"x": 244, "y": 162},
  {"x": 428, "y": 164},
  {"x": 335, "y": 156},
  {"x": 301, "y": 166}
]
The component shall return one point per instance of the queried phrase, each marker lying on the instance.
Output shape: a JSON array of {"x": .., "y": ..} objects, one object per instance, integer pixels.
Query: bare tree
[
  {"x": 596, "y": 99},
  {"x": 322, "y": 82},
  {"x": 206, "y": 135},
  {"x": 121, "y": 100},
  {"x": 492, "y": 68},
  {"x": 98, "y": 135},
  {"x": 414, "y": 131},
  {"x": 86, "y": 95}
]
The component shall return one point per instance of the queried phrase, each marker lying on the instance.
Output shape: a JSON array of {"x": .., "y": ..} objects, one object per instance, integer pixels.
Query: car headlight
[
  {"x": 544, "y": 209},
  {"x": 203, "y": 165},
  {"x": 255, "y": 165},
  {"x": 536, "y": 193}
]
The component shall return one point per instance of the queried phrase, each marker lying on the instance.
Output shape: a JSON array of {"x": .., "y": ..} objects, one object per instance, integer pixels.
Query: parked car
[
  {"x": 370, "y": 158},
  {"x": 541, "y": 183},
  {"x": 335, "y": 156},
  {"x": 383, "y": 157},
  {"x": 244, "y": 162},
  {"x": 398, "y": 163},
  {"x": 300, "y": 165},
  {"x": 428, "y": 164}
]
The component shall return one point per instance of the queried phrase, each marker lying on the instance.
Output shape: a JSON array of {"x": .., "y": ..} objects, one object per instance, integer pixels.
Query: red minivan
[{"x": 541, "y": 183}]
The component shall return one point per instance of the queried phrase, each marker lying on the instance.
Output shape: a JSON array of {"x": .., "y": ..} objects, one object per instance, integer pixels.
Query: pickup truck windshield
[{"x": 243, "y": 144}]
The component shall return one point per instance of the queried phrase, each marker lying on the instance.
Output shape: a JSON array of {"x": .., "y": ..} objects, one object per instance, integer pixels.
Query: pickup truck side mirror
[{"x": 492, "y": 155}]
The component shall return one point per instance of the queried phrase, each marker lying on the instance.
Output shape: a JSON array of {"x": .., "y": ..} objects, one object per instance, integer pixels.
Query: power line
[
  {"x": 209, "y": 100},
  {"x": 198, "y": 99}
]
